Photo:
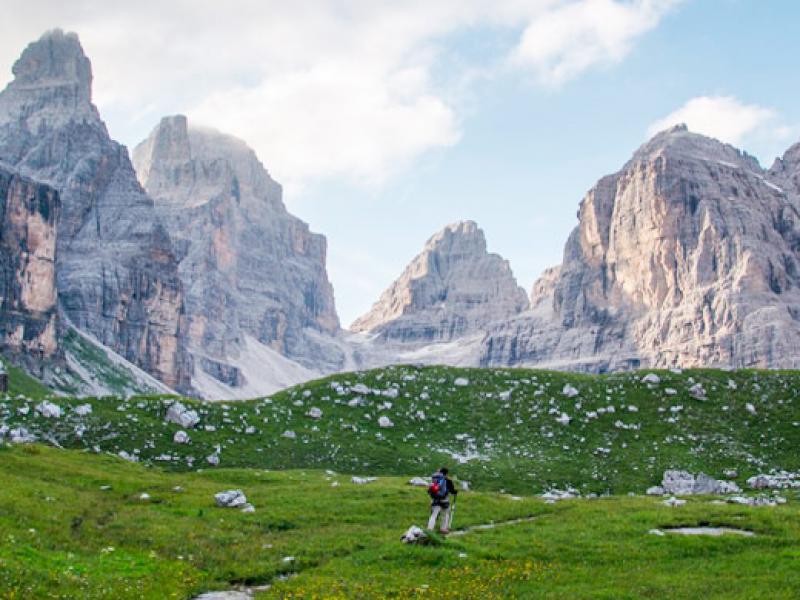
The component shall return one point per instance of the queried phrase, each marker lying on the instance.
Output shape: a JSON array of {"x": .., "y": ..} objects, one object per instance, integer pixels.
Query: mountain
[
  {"x": 29, "y": 323},
  {"x": 688, "y": 256},
  {"x": 259, "y": 304},
  {"x": 453, "y": 288},
  {"x": 116, "y": 274}
]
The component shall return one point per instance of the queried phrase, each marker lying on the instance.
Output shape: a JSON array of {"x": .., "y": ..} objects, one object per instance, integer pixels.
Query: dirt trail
[{"x": 492, "y": 525}]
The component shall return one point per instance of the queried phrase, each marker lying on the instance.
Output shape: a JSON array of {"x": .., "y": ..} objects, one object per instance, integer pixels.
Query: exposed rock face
[
  {"x": 28, "y": 309},
  {"x": 453, "y": 288},
  {"x": 688, "y": 256},
  {"x": 250, "y": 269},
  {"x": 116, "y": 273}
]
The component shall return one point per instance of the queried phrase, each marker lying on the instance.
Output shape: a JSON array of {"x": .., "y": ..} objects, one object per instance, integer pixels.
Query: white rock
[
  {"x": 362, "y": 480},
  {"x": 419, "y": 482},
  {"x": 230, "y": 499},
  {"x": 126, "y": 456},
  {"x": 697, "y": 392},
  {"x": 461, "y": 381},
  {"x": 673, "y": 501},
  {"x": 289, "y": 434},
  {"x": 49, "y": 410},
  {"x": 750, "y": 408},
  {"x": 564, "y": 419},
  {"x": 213, "y": 459},
  {"x": 385, "y": 422},
  {"x": 83, "y": 409},
  {"x": 180, "y": 415},
  {"x": 314, "y": 412},
  {"x": 569, "y": 391},
  {"x": 413, "y": 535},
  {"x": 651, "y": 379},
  {"x": 180, "y": 437}
]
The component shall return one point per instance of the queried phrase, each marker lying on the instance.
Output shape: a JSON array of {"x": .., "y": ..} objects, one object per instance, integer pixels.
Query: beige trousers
[{"x": 435, "y": 510}]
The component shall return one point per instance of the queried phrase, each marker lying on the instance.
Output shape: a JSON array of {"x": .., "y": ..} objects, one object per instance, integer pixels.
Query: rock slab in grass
[{"x": 230, "y": 499}]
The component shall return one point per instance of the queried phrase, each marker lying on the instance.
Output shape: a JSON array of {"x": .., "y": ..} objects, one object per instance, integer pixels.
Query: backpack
[{"x": 438, "y": 487}]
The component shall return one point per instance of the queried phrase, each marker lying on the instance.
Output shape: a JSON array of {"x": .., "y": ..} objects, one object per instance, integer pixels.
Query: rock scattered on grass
[{"x": 230, "y": 499}]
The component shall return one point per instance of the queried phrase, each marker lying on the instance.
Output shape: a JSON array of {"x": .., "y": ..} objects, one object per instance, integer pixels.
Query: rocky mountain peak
[
  {"x": 454, "y": 287},
  {"x": 56, "y": 57},
  {"x": 167, "y": 145},
  {"x": 679, "y": 143},
  {"x": 116, "y": 274},
  {"x": 687, "y": 256},
  {"x": 52, "y": 82},
  {"x": 185, "y": 164},
  {"x": 254, "y": 274}
]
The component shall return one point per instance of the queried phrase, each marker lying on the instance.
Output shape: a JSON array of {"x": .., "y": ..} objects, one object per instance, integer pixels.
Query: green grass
[
  {"x": 58, "y": 527},
  {"x": 19, "y": 382},
  {"x": 63, "y": 536},
  {"x": 514, "y": 444}
]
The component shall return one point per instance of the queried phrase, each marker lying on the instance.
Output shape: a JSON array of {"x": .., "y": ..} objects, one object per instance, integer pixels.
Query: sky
[{"x": 385, "y": 120}]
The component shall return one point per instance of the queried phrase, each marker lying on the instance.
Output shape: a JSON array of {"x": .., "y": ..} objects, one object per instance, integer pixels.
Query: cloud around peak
[{"x": 351, "y": 90}]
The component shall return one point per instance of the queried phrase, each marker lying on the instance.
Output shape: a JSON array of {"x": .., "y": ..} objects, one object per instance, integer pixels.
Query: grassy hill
[
  {"x": 75, "y": 525},
  {"x": 501, "y": 429}
]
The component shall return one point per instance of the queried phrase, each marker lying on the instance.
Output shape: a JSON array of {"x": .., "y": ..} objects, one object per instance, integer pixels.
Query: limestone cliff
[
  {"x": 253, "y": 273},
  {"x": 116, "y": 274},
  {"x": 688, "y": 256},
  {"x": 28, "y": 307}
]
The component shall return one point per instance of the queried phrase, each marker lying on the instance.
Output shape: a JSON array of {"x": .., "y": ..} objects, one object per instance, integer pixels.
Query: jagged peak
[
  {"x": 680, "y": 142},
  {"x": 55, "y": 58},
  {"x": 459, "y": 232}
]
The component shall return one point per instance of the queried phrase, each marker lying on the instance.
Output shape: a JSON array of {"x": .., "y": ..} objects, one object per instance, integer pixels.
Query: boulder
[
  {"x": 419, "y": 482},
  {"x": 679, "y": 483},
  {"x": 413, "y": 535},
  {"x": 83, "y": 409},
  {"x": 49, "y": 410},
  {"x": 651, "y": 379},
  {"x": 231, "y": 499},
  {"x": 569, "y": 391},
  {"x": 180, "y": 437},
  {"x": 697, "y": 392},
  {"x": 180, "y": 415}
]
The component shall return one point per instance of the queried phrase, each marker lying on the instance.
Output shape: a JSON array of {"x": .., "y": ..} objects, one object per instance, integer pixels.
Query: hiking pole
[{"x": 453, "y": 512}]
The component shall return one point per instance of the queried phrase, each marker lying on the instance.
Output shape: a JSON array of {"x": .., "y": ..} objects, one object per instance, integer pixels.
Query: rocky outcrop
[
  {"x": 452, "y": 289},
  {"x": 251, "y": 270},
  {"x": 116, "y": 274},
  {"x": 28, "y": 308},
  {"x": 688, "y": 256}
]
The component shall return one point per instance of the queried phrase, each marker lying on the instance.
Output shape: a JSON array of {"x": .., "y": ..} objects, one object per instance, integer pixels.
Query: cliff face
[
  {"x": 453, "y": 288},
  {"x": 690, "y": 256},
  {"x": 250, "y": 269},
  {"x": 28, "y": 309},
  {"x": 116, "y": 274}
]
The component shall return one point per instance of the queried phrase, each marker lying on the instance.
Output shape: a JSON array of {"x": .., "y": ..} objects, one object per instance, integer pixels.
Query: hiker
[{"x": 440, "y": 489}]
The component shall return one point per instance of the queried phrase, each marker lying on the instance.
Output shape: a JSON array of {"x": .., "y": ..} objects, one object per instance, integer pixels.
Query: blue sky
[{"x": 385, "y": 123}]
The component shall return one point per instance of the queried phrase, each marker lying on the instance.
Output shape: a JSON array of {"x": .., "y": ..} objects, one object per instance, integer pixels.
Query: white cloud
[
  {"x": 353, "y": 89},
  {"x": 724, "y": 118},
  {"x": 572, "y": 37}
]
